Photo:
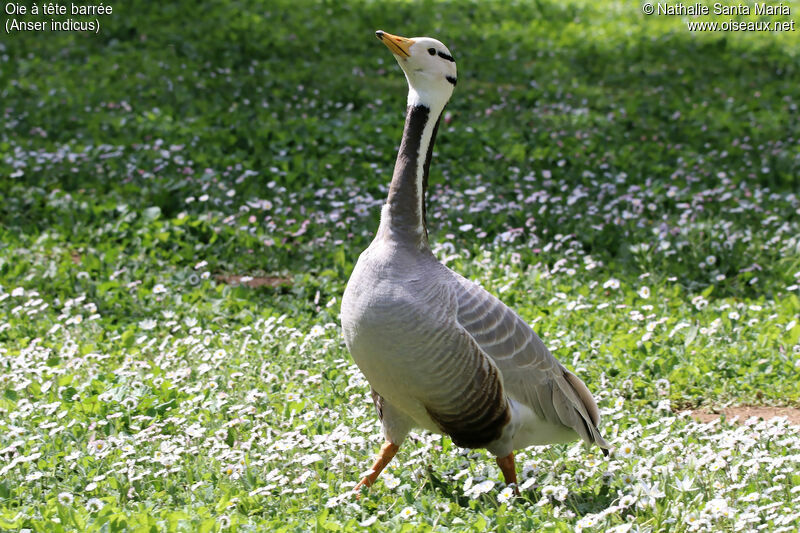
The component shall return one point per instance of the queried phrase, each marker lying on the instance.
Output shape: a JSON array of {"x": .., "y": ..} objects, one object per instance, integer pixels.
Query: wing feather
[{"x": 531, "y": 374}]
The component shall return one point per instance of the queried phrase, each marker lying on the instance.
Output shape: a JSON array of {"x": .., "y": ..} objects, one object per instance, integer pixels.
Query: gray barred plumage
[{"x": 439, "y": 351}]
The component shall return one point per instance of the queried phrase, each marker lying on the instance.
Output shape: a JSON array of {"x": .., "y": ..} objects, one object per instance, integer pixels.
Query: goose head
[{"x": 429, "y": 67}]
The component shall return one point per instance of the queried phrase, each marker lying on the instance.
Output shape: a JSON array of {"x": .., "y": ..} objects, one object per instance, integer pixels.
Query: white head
[{"x": 430, "y": 68}]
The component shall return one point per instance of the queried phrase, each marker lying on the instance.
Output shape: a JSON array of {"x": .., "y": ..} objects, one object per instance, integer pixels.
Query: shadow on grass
[{"x": 581, "y": 504}]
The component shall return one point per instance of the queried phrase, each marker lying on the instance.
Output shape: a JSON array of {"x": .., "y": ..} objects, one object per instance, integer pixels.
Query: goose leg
[
  {"x": 509, "y": 470},
  {"x": 388, "y": 450}
]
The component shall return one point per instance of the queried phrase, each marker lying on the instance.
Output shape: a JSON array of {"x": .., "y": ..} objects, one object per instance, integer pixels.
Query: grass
[{"x": 628, "y": 187}]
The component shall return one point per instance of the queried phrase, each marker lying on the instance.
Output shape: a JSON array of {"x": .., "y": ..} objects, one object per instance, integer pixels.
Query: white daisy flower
[
  {"x": 624, "y": 450},
  {"x": 147, "y": 324},
  {"x": 94, "y": 505},
  {"x": 505, "y": 495},
  {"x": 390, "y": 481},
  {"x": 97, "y": 446},
  {"x": 369, "y": 521},
  {"x": 481, "y": 488},
  {"x": 407, "y": 513}
]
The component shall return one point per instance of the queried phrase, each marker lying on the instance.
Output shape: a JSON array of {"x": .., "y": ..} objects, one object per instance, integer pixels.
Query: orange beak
[{"x": 398, "y": 45}]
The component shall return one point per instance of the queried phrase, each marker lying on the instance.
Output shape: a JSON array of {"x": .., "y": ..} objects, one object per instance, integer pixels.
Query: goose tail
[{"x": 583, "y": 402}]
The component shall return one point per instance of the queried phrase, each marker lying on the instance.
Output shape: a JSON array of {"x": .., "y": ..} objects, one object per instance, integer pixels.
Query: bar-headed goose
[{"x": 439, "y": 352}]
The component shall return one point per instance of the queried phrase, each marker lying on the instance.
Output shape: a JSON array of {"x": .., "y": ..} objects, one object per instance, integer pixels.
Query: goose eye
[{"x": 432, "y": 51}]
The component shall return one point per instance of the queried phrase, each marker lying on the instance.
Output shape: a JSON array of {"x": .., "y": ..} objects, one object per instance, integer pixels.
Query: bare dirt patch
[
  {"x": 254, "y": 281},
  {"x": 746, "y": 411}
]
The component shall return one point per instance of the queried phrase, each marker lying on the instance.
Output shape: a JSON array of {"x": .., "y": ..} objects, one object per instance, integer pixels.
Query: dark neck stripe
[
  {"x": 451, "y": 79},
  {"x": 403, "y": 200}
]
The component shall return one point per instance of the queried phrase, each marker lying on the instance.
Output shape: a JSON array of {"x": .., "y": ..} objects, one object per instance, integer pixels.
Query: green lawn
[{"x": 629, "y": 187}]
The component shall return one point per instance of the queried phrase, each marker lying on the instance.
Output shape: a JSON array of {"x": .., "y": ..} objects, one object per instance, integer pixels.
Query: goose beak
[{"x": 398, "y": 45}]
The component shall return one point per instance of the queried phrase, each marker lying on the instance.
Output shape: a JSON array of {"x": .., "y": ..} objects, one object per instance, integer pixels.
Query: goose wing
[{"x": 531, "y": 374}]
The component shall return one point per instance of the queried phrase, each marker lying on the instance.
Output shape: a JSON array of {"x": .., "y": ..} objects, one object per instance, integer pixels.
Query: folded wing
[{"x": 531, "y": 375}]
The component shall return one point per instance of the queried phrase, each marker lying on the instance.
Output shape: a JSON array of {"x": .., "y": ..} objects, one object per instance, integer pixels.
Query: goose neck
[{"x": 404, "y": 217}]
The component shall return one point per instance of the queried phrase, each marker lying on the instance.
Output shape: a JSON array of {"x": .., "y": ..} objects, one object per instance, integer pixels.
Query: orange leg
[
  {"x": 509, "y": 470},
  {"x": 388, "y": 450}
]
